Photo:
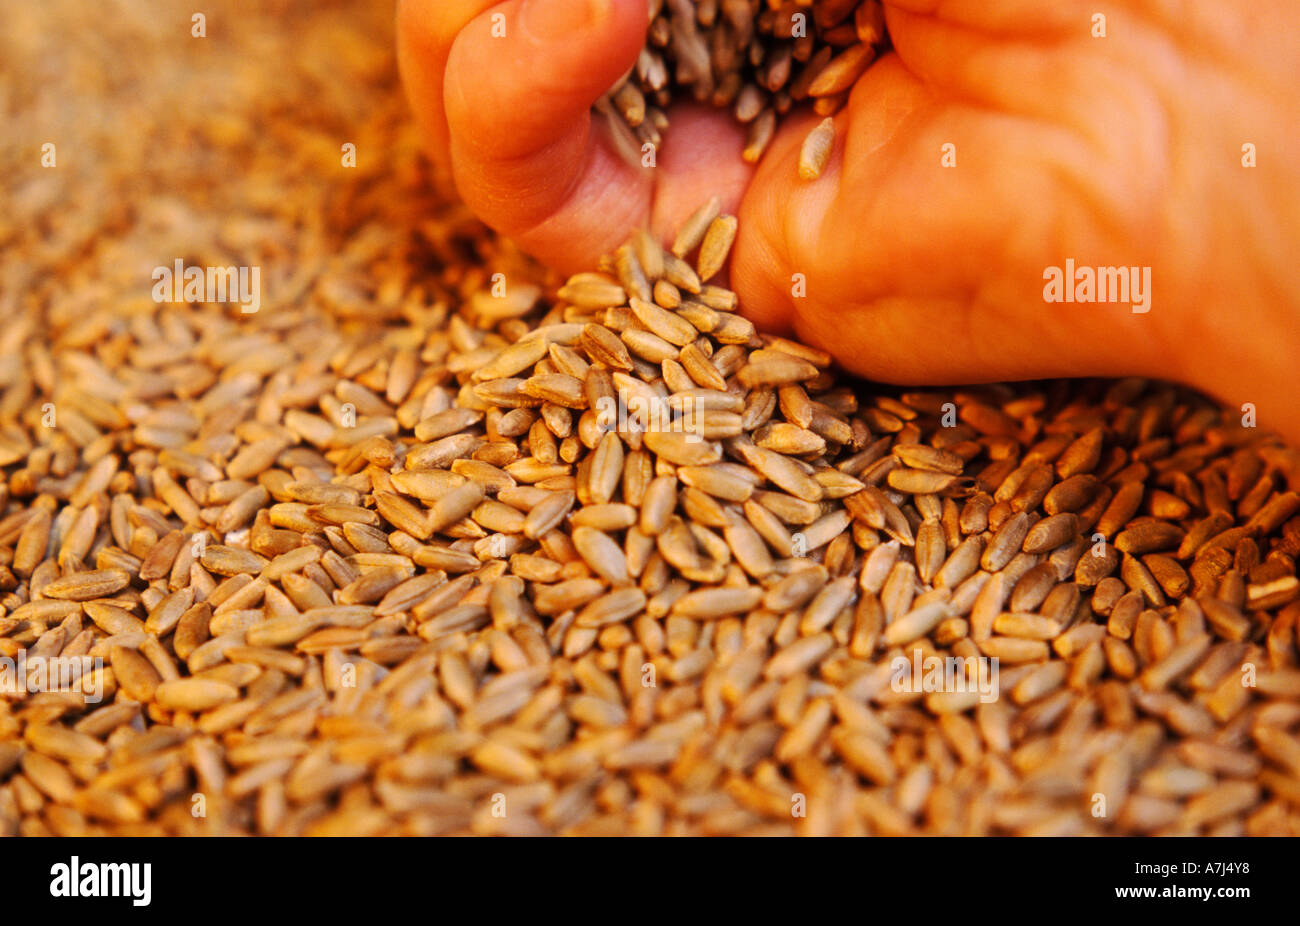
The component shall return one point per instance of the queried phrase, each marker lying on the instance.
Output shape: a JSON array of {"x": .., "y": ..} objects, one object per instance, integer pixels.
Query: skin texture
[{"x": 1123, "y": 150}]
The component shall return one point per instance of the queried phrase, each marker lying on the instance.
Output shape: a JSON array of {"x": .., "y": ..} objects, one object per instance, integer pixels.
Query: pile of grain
[
  {"x": 372, "y": 561},
  {"x": 757, "y": 59}
]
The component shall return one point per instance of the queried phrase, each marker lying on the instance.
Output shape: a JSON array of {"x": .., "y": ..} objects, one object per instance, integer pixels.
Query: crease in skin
[
  {"x": 812, "y": 203},
  {"x": 586, "y": 196},
  {"x": 1147, "y": 157},
  {"x": 774, "y": 261},
  {"x": 1122, "y": 204},
  {"x": 858, "y": 355},
  {"x": 457, "y": 95},
  {"x": 888, "y": 172},
  {"x": 1191, "y": 190},
  {"x": 708, "y": 163},
  {"x": 1203, "y": 31},
  {"x": 1086, "y": 235},
  {"x": 575, "y": 171},
  {"x": 877, "y": 110},
  {"x": 754, "y": 265},
  {"x": 969, "y": 64},
  {"x": 1029, "y": 244}
]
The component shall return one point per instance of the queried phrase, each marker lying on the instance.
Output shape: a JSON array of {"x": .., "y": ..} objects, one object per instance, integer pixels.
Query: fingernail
[{"x": 550, "y": 20}]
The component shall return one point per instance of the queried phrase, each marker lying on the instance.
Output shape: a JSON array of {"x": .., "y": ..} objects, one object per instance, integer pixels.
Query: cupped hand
[{"x": 999, "y": 139}]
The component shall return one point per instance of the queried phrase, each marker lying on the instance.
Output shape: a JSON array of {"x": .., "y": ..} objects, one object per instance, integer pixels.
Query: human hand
[{"x": 1118, "y": 150}]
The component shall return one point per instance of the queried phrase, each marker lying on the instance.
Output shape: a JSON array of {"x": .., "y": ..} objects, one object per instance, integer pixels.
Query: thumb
[{"x": 520, "y": 82}]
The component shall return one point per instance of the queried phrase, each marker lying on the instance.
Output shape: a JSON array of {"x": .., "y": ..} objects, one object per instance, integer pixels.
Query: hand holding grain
[{"x": 1115, "y": 150}]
